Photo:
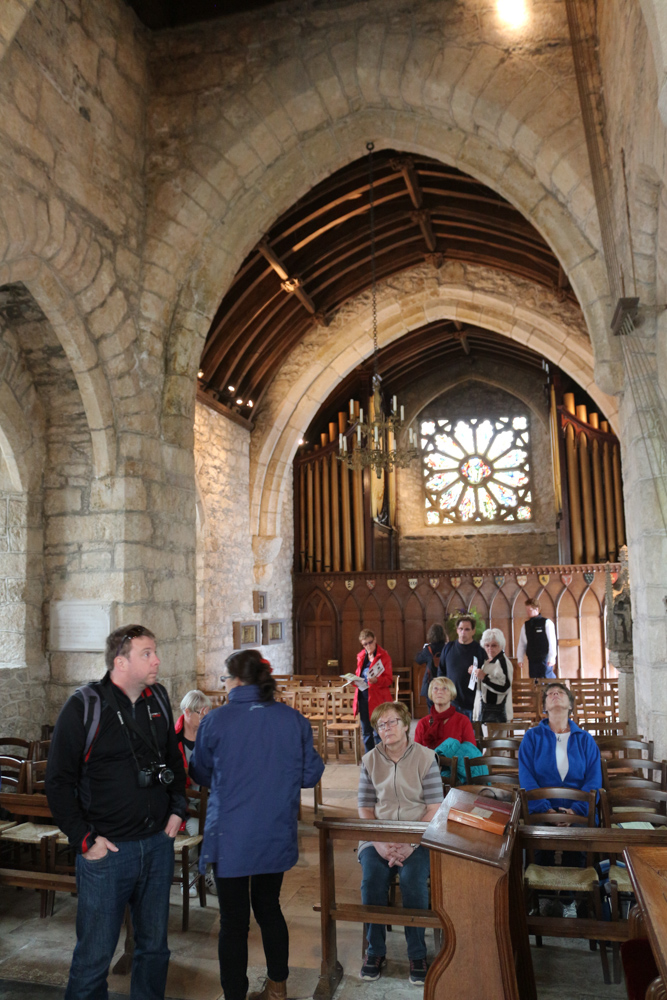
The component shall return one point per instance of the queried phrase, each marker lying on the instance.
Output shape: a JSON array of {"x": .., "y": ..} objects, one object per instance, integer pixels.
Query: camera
[{"x": 148, "y": 776}]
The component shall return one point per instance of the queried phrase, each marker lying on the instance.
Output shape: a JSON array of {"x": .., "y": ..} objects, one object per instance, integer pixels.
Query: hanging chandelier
[{"x": 374, "y": 441}]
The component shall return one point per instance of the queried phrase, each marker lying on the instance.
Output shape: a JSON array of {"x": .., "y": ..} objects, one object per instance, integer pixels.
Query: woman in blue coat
[{"x": 255, "y": 755}]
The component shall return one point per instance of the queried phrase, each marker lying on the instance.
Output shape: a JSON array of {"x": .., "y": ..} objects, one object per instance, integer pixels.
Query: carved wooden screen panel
[
  {"x": 415, "y": 635},
  {"x": 568, "y": 636},
  {"x": 501, "y": 616},
  {"x": 318, "y": 641},
  {"x": 392, "y": 631},
  {"x": 371, "y": 617},
  {"x": 350, "y": 629},
  {"x": 592, "y": 644}
]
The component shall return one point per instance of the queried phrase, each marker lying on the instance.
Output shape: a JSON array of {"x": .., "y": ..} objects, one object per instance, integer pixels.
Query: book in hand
[
  {"x": 353, "y": 679},
  {"x": 376, "y": 670},
  {"x": 484, "y": 813}
]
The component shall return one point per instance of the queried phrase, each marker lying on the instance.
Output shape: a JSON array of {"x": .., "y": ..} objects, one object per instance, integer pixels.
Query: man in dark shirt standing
[
  {"x": 116, "y": 785},
  {"x": 456, "y": 660}
]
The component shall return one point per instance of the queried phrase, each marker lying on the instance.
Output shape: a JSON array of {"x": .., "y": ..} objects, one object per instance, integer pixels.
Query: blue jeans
[
  {"x": 464, "y": 711},
  {"x": 375, "y": 881},
  {"x": 139, "y": 874},
  {"x": 368, "y": 734}
]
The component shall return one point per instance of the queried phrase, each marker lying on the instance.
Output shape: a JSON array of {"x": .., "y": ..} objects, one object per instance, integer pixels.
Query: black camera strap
[{"x": 127, "y": 722}]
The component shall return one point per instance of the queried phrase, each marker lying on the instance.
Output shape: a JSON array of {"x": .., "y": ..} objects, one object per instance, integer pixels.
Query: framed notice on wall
[
  {"x": 79, "y": 626},
  {"x": 246, "y": 634},
  {"x": 273, "y": 630}
]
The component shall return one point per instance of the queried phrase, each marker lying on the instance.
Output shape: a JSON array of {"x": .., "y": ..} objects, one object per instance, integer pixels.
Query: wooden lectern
[{"x": 474, "y": 887}]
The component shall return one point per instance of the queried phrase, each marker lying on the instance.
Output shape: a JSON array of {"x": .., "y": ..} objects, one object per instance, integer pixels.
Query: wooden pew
[{"x": 647, "y": 866}]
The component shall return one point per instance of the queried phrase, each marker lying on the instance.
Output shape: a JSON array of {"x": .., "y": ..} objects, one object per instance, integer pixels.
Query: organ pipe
[
  {"x": 598, "y": 496},
  {"x": 302, "y": 517},
  {"x": 326, "y": 511},
  {"x": 586, "y": 497},
  {"x": 610, "y": 515},
  {"x": 317, "y": 476},
  {"x": 358, "y": 499},
  {"x": 311, "y": 519},
  {"x": 574, "y": 495}
]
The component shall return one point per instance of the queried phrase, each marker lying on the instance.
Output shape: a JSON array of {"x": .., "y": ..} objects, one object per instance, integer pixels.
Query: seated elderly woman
[
  {"x": 559, "y": 753},
  {"x": 493, "y": 700},
  {"x": 443, "y": 721},
  {"x": 399, "y": 779}
]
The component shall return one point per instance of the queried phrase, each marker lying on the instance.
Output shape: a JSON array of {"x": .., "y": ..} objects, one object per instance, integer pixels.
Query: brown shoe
[{"x": 271, "y": 991}]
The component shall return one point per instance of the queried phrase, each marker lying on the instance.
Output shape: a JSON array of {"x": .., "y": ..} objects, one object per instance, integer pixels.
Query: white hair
[
  {"x": 194, "y": 701},
  {"x": 493, "y": 635}
]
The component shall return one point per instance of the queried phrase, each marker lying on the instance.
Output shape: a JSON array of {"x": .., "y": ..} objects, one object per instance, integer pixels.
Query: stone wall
[
  {"x": 473, "y": 387},
  {"x": 222, "y": 457}
]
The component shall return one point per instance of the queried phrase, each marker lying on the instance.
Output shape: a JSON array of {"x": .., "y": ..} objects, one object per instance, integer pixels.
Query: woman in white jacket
[{"x": 493, "y": 700}]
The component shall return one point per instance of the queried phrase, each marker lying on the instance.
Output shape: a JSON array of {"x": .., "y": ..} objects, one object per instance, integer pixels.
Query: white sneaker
[
  {"x": 192, "y": 885},
  {"x": 209, "y": 878}
]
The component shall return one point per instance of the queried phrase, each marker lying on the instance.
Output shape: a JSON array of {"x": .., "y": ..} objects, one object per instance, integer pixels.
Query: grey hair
[
  {"x": 493, "y": 634},
  {"x": 194, "y": 701}
]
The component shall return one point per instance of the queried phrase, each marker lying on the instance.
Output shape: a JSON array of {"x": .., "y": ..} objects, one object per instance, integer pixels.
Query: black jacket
[{"x": 102, "y": 795}]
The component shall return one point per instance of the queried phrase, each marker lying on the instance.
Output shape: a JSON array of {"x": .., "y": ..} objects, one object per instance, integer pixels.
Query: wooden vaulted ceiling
[{"x": 317, "y": 256}]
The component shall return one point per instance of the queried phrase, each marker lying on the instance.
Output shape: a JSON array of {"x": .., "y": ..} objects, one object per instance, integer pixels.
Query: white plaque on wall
[{"x": 80, "y": 626}]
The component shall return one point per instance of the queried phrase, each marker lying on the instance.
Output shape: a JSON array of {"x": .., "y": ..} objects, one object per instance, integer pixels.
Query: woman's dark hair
[
  {"x": 436, "y": 633},
  {"x": 251, "y": 668}
]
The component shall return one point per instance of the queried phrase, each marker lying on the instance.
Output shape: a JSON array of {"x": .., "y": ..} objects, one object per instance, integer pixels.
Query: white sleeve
[
  {"x": 551, "y": 636},
  {"x": 521, "y": 648}
]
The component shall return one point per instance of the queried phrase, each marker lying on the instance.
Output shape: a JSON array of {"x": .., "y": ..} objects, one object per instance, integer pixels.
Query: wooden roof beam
[
  {"x": 407, "y": 168},
  {"x": 423, "y": 220},
  {"x": 293, "y": 286}
]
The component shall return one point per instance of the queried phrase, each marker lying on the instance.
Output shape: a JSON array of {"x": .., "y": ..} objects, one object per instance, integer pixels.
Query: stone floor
[{"x": 35, "y": 953}]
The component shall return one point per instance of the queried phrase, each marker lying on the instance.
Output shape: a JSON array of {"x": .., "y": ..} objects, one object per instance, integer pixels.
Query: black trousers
[
  {"x": 235, "y": 895},
  {"x": 368, "y": 734}
]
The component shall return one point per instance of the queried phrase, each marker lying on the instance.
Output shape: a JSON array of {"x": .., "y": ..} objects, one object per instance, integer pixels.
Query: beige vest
[{"x": 398, "y": 786}]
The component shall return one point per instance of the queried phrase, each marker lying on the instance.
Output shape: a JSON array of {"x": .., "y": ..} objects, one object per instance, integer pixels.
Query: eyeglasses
[
  {"x": 225, "y": 677},
  {"x": 133, "y": 633},
  {"x": 389, "y": 724},
  {"x": 369, "y": 642}
]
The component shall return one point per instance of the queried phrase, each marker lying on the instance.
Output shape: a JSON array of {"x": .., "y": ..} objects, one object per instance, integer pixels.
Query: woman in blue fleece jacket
[{"x": 558, "y": 752}]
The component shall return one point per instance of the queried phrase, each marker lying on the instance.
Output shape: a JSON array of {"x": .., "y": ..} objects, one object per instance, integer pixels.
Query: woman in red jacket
[
  {"x": 374, "y": 667},
  {"x": 443, "y": 721}
]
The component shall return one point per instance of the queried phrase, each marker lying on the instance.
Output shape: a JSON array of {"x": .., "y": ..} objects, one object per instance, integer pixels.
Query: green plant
[{"x": 452, "y": 621}]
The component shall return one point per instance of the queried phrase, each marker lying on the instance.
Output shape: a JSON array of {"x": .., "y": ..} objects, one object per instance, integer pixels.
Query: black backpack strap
[{"x": 92, "y": 712}]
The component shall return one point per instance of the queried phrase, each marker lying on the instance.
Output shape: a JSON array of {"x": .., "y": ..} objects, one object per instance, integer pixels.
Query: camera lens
[{"x": 166, "y": 775}]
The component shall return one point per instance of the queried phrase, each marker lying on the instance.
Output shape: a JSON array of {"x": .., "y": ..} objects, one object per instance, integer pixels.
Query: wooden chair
[
  {"x": 578, "y": 882},
  {"x": 505, "y": 747},
  {"x": 33, "y": 836},
  {"x": 502, "y": 771},
  {"x": 342, "y": 723},
  {"x": 14, "y": 746},
  {"x": 608, "y": 728},
  {"x": 13, "y": 772},
  {"x": 508, "y": 730},
  {"x": 40, "y": 749},
  {"x": 619, "y": 772},
  {"x": 450, "y": 764},
  {"x": 183, "y": 844},
  {"x": 313, "y": 703}
]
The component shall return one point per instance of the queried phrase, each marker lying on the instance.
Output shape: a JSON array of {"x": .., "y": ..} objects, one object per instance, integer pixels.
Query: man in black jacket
[
  {"x": 116, "y": 785},
  {"x": 457, "y": 658}
]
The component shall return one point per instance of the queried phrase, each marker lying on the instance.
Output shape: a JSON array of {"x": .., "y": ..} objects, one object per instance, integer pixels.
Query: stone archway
[
  {"x": 468, "y": 100},
  {"x": 468, "y": 293}
]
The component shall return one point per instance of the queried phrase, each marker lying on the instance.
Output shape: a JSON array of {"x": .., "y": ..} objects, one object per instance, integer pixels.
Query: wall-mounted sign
[
  {"x": 79, "y": 626},
  {"x": 246, "y": 634},
  {"x": 273, "y": 630}
]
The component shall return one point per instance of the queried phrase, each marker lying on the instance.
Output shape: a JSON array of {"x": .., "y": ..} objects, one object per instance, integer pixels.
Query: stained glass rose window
[{"x": 476, "y": 470}]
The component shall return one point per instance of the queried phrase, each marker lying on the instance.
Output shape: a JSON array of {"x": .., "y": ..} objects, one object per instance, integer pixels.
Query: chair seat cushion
[
  {"x": 621, "y": 878},
  {"x": 184, "y": 840},
  {"x": 31, "y": 833},
  {"x": 573, "y": 879}
]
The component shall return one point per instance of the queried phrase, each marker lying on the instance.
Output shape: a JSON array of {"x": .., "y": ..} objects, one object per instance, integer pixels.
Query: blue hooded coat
[
  {"x": 537, "y": 766},
  {"x": 255, "y": 757}
]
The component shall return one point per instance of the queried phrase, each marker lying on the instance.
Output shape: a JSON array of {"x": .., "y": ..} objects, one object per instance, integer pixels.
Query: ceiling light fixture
[
  {"x": 200, "y": 373},
  {"x": 375, "y": 446},
  {"x": 513, "y": 13},
  {"x": 239, "y": 402}
]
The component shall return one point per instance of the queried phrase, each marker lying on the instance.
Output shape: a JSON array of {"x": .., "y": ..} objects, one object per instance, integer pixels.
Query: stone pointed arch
[
  {"x": 513, "y": 307},
  {"x": 57, "y": 304},
  {"x": 12, "y": 15}
]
